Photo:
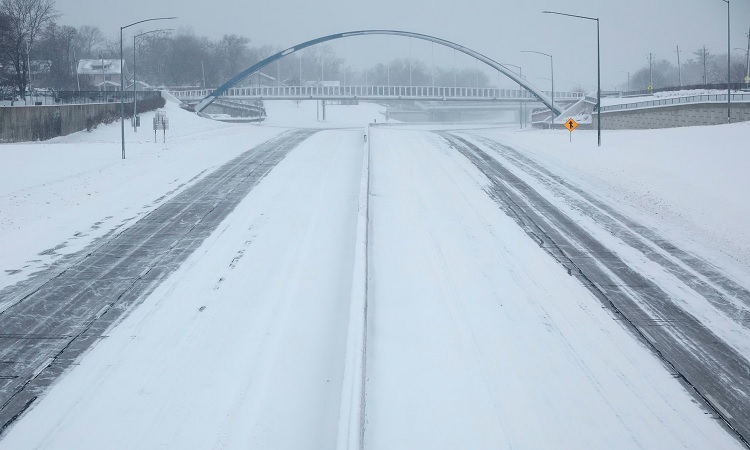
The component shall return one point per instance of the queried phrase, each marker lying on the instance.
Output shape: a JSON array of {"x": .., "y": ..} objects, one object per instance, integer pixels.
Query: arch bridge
[{"x": 229, "y": 86}]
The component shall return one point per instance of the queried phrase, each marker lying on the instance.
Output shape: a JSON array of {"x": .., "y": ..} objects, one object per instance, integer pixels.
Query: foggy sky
[{"x": 630, "y": 29}]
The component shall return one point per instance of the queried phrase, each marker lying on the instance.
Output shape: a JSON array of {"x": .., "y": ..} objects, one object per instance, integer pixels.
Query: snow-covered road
[
  {"x": 476, "y": 334},
  {"x": 244, "y": 345},
  {"x": 478, "y": 339}
]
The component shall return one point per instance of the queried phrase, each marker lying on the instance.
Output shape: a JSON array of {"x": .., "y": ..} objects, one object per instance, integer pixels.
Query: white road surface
[{"x": 476, "y": 338}]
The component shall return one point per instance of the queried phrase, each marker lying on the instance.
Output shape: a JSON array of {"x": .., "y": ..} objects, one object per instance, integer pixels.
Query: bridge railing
[
  {"x": 372, "y": 91},
  {"x": 707, "y": 98}
]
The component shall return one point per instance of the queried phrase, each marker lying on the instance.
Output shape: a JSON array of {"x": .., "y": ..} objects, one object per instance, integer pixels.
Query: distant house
[{"x": 104, "y": 74}]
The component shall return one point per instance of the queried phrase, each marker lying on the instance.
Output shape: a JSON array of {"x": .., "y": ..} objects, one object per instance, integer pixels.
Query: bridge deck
[{"x": 372, "y": 93}]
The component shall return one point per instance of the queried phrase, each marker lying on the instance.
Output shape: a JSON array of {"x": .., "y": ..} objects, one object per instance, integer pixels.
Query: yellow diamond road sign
[{"x": 571, "y": 125}]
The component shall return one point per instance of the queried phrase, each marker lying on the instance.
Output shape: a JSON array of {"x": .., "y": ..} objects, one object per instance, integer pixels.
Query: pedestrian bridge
[{"x": 374, "y": 93}]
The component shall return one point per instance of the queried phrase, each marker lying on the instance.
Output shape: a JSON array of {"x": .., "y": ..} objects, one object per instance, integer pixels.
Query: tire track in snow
[
  {"x": 707, "y": 365},
  {"x": 705, "y": 279},
  {"x": 71, "y": 308}
]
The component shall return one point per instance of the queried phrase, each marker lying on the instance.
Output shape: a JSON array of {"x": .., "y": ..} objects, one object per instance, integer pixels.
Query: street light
[
  {"x": 520, "y": 91},
  {"x": 122, "y": 81},
  {"x": 729, "y": 67},
  {"x": 598, "y": 71},
  {"x": 552, "y": 70},
  {"x": 135, "y": 98}
]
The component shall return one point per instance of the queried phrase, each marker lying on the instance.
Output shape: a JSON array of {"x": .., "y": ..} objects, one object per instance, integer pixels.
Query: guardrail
[
  {"x": 692, "y": 87},
  {"x": 85, "y": 97},
  {"x": 706, "y": 98},
  {"x": 276, "y": 92},
  {"x": 51, "y": 98}
]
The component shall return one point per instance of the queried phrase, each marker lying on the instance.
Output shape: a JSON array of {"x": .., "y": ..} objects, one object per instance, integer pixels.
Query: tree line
[
  {"x": 701, "y": 67},
  {"x": 35, "y": 47}
]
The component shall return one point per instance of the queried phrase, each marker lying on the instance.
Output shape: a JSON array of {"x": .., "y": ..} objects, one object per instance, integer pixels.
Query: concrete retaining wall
[
  {"x": 39, "y": 123},
  {"x": 671, "y": 116}
]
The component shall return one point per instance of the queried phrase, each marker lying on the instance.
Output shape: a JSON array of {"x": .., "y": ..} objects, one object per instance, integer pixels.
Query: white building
[{"x": 104, "y": 74}]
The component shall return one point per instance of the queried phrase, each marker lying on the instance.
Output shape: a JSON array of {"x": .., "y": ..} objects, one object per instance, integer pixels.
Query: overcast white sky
[{"x": 630, "y": 29}]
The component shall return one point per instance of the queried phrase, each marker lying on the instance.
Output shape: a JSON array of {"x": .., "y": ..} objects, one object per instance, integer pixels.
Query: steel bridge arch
[{"x": 549, "y": 102}]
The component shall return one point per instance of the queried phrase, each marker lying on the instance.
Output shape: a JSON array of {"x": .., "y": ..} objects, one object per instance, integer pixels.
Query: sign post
[
  {"x": 161, "y": 123},
  {"x": 571, "y": 125}
]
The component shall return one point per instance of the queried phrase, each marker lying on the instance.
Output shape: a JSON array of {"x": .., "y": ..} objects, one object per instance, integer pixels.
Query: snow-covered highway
[{"x": 507, "y": 304}]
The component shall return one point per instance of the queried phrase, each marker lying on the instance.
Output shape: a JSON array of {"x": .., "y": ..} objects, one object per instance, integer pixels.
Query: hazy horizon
[{"x": 629, "y": 30}]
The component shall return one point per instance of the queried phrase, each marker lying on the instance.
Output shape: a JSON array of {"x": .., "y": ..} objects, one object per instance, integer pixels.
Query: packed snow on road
[{"x": 371, "y": 286}]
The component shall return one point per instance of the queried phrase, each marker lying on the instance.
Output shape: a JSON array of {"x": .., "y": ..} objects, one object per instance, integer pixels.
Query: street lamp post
[
  {"x": 598, "y": 71},
  {"x": 520, "y": 90},
  {"x": 135, "y": 98},
  {"x": 122, "y": 81},
  {"x": 552, "y": 70},
  {"x": 729, "y": 66}
]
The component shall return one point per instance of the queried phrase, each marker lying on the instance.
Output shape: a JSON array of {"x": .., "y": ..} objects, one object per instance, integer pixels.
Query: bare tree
[
  {"x": 27, "y": 18},
  {"x": 55, "y": 45},
  {"x": 5, "y": 53},
  {"x": 88, "y": 40}
]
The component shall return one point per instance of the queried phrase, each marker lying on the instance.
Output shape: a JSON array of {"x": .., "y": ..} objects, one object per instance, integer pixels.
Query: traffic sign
[{"x": 571, "y": 125}]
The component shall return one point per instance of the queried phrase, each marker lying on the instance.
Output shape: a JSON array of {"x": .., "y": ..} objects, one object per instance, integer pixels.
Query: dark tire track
[
  {"x": 708, "y": 366},
  {"x": 703, "y": 277},
  {"x": 62, "y": 311}
]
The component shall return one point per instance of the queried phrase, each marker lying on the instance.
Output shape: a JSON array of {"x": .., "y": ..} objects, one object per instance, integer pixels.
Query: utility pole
[
  {"x": 729, "y": 66},
  {"x": 747, "y": 75},
  {"x": 679, "y": 67},
  {"x": 203, "y": 71},
  {"x": 651, "y": 71},
  {"x": 705, "y": 72}
]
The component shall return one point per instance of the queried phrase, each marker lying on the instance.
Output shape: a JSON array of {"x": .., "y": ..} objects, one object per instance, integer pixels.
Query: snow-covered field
[{"x": 476, "y": 338}]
